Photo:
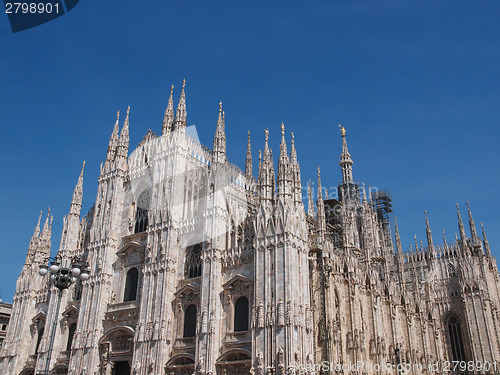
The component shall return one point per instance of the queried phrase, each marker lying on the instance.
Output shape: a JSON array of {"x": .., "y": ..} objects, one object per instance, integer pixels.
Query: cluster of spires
[
  {"x": 476, "y": 243},
  {"x": 289, "y": 185}
]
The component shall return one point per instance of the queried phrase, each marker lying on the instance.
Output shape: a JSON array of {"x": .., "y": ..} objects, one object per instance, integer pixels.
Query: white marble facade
[{"x": 200, "y": 268}]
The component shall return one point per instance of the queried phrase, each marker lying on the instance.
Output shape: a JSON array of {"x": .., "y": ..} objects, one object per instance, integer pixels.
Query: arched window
[
  {"x": 39, "y": 339},
  {"x": 131, "y": 285},
  {"x": 71, "y": 333},
  {"x": 241, "y": 314},
  {"x": 192, "y": 267},
  {"x": 190, "y": 321},
  {"x": 141, "y": 216},
  {"x": 457, "y": 344}
]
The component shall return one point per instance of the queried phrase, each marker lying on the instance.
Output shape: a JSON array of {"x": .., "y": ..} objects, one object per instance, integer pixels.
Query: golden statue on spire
[{"x": 342, "y": 130}]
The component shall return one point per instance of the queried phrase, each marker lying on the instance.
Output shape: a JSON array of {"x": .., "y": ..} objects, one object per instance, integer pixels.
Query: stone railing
[{"x": 238, "y": 337}]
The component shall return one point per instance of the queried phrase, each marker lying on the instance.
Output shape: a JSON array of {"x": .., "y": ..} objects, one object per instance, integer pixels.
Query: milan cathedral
[{"x": 198, "y": 267}]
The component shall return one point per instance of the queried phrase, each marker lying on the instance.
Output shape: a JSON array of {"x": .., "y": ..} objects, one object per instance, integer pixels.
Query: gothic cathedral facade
[{"x": 198, "y": 267}]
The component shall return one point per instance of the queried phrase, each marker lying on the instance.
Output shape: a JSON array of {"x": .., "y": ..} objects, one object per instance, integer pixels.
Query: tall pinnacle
[
  {"x": 284, "y": 178},
  {"x": 475, "y": 239},
  {"x": 76, "y": 202},
  {"x": 293, "y": 152},
  {"x": 430, "y": 243},
  {"x": 219, "y": 148},
  {"x": 37, "y": 228},
  {"x": 46, "y": 226},
  {"x": 399, "y": 248},
  {"x": 444, "y": 239},
  {"x": 321, "y": 207},
  {"x": 310, "y": 203},
  {"x": 345, "y": 158},
  {"x": 181, "y": 113},
  {"x": 266, "y": 172},
  {"x": 122, "y": 150},
  {"x": 168, "y": 118},
  {"x": 364, "y": 195},
  {"x": 283, "y": 150},
  {"x": 461, "y": 230},
  {"x": 113, "y": 140},
  {"x": 248, "y": 161},
  {"x": 486, "y": 243}
]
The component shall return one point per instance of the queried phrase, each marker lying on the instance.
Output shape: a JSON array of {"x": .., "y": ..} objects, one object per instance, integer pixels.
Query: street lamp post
[{"x": 62, "y": 278}]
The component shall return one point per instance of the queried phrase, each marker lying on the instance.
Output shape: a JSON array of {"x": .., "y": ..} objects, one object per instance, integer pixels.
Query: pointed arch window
[
  {"x": 141, "y": 216},
  {"x": 131, "y": 282},
  {"x": 192, "y": 266},
  {"x": 456, "y": 340},
  {"x": 190, "y": 321},
  {"x": 71, "y": 334},
  {"x": 241, "y": 309}
]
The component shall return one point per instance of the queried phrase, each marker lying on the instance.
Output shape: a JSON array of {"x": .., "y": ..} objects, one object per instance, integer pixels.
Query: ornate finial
[
  {"x": 171, "y": 89},
  {"x": 319, "y": 172},
  {"x": 293, "y": 138},
  {"x": 220, "y": 106},
  {"x": 117, "y": 115},
  {"x": 342, "y": 130},
  {"x": 266, "y": 131},
  {"x": 83, "y": 165},
  {"x": 183, "y": 83},
  {"x": 282, "y": 129}
]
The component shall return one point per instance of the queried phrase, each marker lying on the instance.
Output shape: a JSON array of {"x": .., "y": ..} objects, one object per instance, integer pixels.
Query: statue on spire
[{"x": 342, "y": 130}]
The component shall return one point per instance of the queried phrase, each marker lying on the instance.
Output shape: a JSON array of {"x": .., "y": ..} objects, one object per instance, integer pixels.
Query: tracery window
[
  {"x": 131, "y": 282},
  {"x": 190, "y": 321},
  {"x": 456, "y": 341},
  {"x": 192, "y": 266},
  {"x": 241, "y": 309},
  {"x": 141, "y": 216},
  {"x": 451, "y": 270}
]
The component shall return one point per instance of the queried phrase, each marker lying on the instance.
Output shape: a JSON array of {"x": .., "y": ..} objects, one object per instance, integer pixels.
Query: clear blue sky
[{"x": 415, "y": 83}]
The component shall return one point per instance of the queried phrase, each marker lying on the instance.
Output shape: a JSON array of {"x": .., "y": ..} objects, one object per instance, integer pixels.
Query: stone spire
[
  {"x": 113, "y": 140},
  {"x": 321, "y": 207},
  {"x": 283, "y": 169},
  {"x": 476, "y": 242},
  {"x": 461, "y": 231},
  {"x": 181, "y": 113},
  {"x": 364, "y": 195},
  {"x": 430, "y": 242},
  {"x": 76, "y": 202},
  {"x": 168, "y": 118},
  {"x": 219, "y": 148},
  {"x": 345, "y": 159},
  {"x": 248, "y": 161},
  {"x": 310, "y": 204},
  {"x": 123, "y": 142},
  {"x": 296, "y": 180},
  {"x": 266, "y": 173},
  {"x": 34, "y": 240},
  {"x": 486, "y": 243},
  {"x": 37, "y": 228},
  {"x": 399, "y": 248},
  {"x": 293, "y": 152},
  {"x": 444, "y": 239}
]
